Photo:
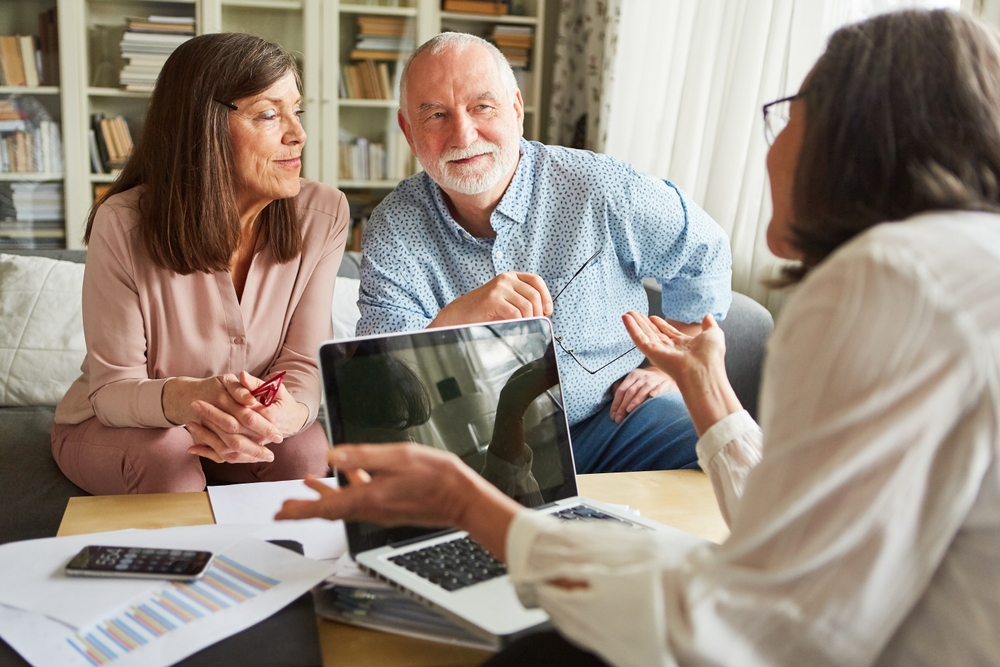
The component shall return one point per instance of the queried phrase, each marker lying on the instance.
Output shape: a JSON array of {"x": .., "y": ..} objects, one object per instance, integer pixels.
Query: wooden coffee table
[{"x": 679, "y": 498}]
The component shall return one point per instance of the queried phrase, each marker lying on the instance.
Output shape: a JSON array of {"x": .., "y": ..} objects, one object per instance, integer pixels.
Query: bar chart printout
[{"x": 224, "y": 585}]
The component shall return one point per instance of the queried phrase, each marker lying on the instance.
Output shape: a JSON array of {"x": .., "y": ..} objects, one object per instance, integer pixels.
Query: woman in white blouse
[{"x": 865, "y": 509}]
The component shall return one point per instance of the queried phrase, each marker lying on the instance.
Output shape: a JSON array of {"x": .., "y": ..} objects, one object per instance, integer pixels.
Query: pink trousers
[{"x": 112, "y": 461}]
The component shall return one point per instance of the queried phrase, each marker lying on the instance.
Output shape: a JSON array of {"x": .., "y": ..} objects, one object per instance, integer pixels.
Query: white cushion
[
  {"x": 345, "y": 307},
  {"x": 41, "y": 329}
]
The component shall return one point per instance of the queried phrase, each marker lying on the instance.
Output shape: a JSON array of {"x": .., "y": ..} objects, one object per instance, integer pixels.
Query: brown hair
[
  {"x": 189, "y": 219},
  {"x": 902, "y": 117}
]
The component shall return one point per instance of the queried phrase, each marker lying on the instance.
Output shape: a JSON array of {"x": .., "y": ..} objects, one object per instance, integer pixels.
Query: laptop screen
[{"x": 487, "y": 392}]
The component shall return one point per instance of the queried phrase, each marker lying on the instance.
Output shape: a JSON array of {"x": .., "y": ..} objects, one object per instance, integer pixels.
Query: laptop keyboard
[
  {"x": 452, "y": 565},
  {"x": 462, "y": 562}
]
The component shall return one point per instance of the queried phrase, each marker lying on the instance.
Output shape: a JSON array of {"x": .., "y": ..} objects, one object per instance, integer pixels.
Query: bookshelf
[
  {"x": 29, "y": 170},
  {"x": 322, "y": 34}
]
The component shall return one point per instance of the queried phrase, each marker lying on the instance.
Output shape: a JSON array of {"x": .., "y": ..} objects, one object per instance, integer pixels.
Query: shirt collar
[{"x": 516, "y": 200}]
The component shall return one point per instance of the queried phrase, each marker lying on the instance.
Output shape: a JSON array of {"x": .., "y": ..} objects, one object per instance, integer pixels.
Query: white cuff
[
  {"x": 722, "y": 433},
  {"x": 525, "y": 527}
]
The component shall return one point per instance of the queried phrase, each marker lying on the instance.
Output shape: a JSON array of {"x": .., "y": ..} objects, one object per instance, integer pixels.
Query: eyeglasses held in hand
[
  {"x": 267, "y": 392},
  {"x": 776, "y": 115},
  {"x": 560, "y": 340}
]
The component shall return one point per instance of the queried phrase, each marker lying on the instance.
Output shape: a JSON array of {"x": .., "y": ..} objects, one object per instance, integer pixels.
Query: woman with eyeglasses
[
  {"x": 865, "y": 509},
  {"x": 210, "y": 273}
]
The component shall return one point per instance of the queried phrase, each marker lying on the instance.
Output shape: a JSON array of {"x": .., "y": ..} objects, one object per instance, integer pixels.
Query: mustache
[{"x": 480, "y": 147}]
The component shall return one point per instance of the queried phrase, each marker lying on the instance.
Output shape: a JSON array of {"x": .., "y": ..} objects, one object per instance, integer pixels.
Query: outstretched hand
[
  {"x": 409, "y": 484},
  {"x": 696, "y": 363},
  {"x": 674, "y": 352}
]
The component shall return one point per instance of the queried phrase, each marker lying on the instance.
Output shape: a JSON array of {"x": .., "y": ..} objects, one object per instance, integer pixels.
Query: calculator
[{"x": 104, "y": 561}]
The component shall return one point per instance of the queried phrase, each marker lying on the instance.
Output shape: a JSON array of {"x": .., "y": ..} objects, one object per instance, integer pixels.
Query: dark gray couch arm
[{"x": 747, "y": 327}]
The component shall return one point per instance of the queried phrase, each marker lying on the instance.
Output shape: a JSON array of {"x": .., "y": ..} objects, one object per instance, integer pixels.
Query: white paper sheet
[
  {"x": 122, "y": 638},
  {"x": 32, "y": 577},
  {"x": 258, "y": 502}
]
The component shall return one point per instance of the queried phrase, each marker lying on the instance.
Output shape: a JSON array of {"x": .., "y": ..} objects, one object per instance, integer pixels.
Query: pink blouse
[{"x": 145, "y": 324}]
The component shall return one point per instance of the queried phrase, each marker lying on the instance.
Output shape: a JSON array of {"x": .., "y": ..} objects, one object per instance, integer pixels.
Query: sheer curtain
[{"x": 683, "y": 95}]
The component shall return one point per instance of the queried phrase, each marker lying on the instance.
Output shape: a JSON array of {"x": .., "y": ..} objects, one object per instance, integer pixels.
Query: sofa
[{"x": 33, "y": 491}]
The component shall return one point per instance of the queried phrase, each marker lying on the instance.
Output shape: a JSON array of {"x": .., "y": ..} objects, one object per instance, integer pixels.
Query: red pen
[{"x": 267, "y": 392}]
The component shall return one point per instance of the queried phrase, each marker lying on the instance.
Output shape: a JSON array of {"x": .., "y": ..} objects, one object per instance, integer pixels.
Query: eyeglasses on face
[
  {"x": 776, "y": 115},
  {"x": 560, "y": 340}
]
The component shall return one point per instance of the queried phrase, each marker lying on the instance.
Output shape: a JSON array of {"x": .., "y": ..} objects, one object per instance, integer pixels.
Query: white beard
[{"x": 467, "y": 180}]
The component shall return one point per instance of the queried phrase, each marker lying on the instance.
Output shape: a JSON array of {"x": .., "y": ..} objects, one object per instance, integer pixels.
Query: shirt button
[
  {"x": 238, "y": 340},
  {"x": 499, "y": 254}
]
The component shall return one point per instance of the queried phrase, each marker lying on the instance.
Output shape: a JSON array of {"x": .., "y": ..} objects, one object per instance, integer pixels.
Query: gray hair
[{"x": 458, "y": 40}]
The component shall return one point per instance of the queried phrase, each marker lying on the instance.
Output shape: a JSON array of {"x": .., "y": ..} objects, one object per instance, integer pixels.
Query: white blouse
[{"x": 865, "y": 523}]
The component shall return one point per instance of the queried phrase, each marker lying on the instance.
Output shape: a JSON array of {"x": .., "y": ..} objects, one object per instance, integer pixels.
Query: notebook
[{"x": 489, "y": 393}]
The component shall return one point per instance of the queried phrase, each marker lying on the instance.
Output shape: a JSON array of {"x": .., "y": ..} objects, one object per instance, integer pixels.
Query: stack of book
[
  {"x": 40, "y": 204},
  {"x": 515, "y": 42},
  {"x": 20, "y": 61},
  {"x": 384, "y": 38},
  {"x": 366, "y": 80},
  {"x": 364, "y": 160},
  {"x": 494, "y": 7},
  {"x": 110, "y": 143},
  {"x": 147, "y": 44},
  {"x": 30, "y": 142}
]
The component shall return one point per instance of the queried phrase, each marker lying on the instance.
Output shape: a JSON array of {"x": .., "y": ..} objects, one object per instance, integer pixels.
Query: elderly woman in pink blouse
[{"x": 210, "y": 270}]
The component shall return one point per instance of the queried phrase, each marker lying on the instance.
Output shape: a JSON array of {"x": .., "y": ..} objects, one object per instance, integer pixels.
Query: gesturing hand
[
  {"x": 408, "y": 484},
  {"x": 391, "y": 485},
  {"x": 697, "y": 364},
  {"x": 510, "y": 295},
  {"x": 677, "y": 354}
]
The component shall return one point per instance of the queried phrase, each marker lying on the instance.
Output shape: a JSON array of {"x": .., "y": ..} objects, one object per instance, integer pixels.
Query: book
[
  {"x": 377, "y": 55},
  {"x": 48, "y": 39},
  {"x": 383, "y": 77},
  {"x": 96, "y": 163},
  {"x": 102, "y": 146},
  {"x": 10, "y": 61},
  {"x": 476, "y": 7},
  {"x": 28, "y": 59}
]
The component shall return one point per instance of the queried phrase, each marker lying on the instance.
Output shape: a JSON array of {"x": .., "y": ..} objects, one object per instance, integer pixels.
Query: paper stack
[
  {"x": 353, "y": 597},
  {"x": 51, "y": 619}
]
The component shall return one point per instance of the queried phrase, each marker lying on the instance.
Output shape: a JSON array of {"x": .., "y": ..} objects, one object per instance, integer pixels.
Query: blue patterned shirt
[{"x": 562, "y": 207}]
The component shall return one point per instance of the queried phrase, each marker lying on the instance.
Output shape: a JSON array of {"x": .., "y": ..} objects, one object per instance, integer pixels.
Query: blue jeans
[{"x": 657, "y": 435}]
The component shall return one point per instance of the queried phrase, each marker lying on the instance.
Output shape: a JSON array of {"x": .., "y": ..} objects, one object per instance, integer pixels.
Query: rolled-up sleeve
[{"x": 673, "y": 240}]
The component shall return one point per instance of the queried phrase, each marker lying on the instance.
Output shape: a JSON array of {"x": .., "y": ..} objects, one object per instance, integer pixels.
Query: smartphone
[{"x": 139, "y": 562}]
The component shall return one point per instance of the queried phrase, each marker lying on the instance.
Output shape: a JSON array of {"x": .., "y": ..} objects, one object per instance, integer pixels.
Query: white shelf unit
[
  {"x": 373, "y": 118},
  {"x": 319, "y": 33},
  {"x": 20, "y": 17}
]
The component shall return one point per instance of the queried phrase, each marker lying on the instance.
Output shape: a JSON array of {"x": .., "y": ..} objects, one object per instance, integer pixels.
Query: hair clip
[
  {"x": 267, "y": 392},
  {"x": 227, "y": 104}
]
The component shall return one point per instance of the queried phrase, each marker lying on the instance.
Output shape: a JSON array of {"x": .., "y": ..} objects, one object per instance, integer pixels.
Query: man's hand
[
  {"x": 636, "y": 387},
  {"x": 509, "y": 296}
]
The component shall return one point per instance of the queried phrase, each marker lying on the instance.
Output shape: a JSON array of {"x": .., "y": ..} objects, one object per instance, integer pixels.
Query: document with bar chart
[{"x": 247, "y": 583}]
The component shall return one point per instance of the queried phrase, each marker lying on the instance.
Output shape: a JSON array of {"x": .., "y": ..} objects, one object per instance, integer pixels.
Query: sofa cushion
[
  {"x": 41, "y": 330},
  {"x": 345, "y": 307}
]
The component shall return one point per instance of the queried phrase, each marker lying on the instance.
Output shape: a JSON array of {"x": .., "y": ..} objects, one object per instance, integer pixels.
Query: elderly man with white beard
[{"x": 499, "y": 228}]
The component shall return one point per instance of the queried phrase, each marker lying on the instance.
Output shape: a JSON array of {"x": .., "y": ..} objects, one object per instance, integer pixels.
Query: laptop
[{"x": 489, "y": 393}]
